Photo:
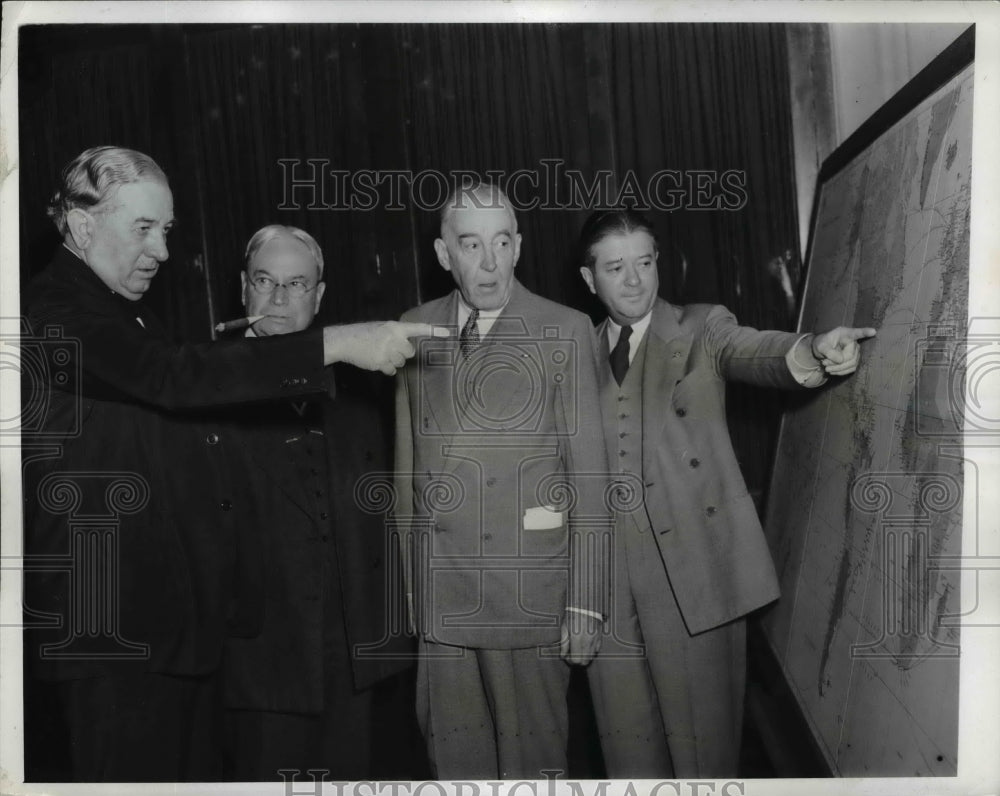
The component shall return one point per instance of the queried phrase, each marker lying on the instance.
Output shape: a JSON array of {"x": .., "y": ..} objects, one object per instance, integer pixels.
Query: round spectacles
[{"x": 296, "y": 288}]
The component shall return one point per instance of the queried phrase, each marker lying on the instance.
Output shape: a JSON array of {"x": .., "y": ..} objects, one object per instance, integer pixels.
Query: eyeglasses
[{"x": 297, "y": 288}]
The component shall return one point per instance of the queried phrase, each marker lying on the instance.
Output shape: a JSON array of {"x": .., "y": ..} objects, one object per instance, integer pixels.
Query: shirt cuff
[
  {"x": 810, "y": 375},
  {"x": 585, "y": 612}
]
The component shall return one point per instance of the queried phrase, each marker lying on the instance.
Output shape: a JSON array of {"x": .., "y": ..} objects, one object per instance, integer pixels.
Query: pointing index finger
[
  {"x": 861, "y": 334},
  {"x": 410, "y": 329}
]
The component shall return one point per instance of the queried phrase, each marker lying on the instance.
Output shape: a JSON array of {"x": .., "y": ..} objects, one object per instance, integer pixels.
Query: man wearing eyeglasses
[{"x": 310, "y": 560}]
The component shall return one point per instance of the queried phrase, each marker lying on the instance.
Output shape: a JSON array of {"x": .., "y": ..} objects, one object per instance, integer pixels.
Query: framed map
[{"x": 864, "y": 512}]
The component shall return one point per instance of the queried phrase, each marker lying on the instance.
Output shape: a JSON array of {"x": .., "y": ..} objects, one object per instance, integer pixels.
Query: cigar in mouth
[{"x": 239, "y": 323}]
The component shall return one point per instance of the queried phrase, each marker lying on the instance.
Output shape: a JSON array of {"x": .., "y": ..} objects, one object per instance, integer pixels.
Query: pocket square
[{"x": 541, "y": 518}]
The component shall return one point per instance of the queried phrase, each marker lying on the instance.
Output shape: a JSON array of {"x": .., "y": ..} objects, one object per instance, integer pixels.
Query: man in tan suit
[
  {"x": 691, "y": 559},
  {"x": 501, "y": 475}
]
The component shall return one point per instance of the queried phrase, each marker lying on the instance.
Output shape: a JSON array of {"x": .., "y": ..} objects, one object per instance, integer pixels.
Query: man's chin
[{"x": 133, "y": 293}]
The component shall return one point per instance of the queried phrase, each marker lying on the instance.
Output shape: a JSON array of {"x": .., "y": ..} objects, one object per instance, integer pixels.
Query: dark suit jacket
[
  {"x": 478, "y": 443},
  {"x": 121, "y": 418},
  {"x": 696, "y": 501},
  {"x": 280, "y": 668}
]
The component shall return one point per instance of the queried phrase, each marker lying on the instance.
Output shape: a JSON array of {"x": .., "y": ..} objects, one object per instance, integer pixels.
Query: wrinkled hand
[
  {"x": 380, "y": 345},
  {"x": 838, "y": 350},
  {"x": 580, "y": 639}
]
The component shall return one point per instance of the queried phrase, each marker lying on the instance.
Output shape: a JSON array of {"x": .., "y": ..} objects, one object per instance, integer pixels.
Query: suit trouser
[
  {"x": 493, "y": 713},
  {"x": 337, "y": 738},
  {"x": 695, "y": 682},
  {"x": 143, "y": 727}
]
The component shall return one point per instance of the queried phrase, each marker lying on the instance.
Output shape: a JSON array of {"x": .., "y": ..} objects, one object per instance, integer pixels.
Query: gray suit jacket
[
  {"x": 482, "y": 447},
  {"x": 696, "y": 501}
]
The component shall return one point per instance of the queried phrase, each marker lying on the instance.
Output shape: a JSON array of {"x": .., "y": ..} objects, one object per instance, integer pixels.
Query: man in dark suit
[
  {"x": 299, "y": 692},
  {"x": 691, "y": 559},
  {"x": 500, "y": 489},
  {"x": 128, "y": 505}
]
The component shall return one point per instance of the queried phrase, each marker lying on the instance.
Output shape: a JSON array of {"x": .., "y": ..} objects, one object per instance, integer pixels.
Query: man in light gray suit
[
  {"x": 501, "y": 475},
  {"x": 691, "y": 559}
]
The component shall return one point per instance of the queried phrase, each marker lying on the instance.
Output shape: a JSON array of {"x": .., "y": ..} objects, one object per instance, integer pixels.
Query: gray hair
[
  {"x": 93, "y": 176},
  {"x": 265, "y": 235}
]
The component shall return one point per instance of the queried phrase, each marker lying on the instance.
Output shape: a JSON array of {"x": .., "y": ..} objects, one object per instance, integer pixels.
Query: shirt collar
[
  {"x": 464, "y": 311},
  {"x": 638, "y": 328}
]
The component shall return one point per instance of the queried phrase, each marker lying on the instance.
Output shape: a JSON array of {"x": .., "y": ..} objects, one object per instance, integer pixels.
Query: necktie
[
  {"x": 619, "y": 356},
  {"x": 468, "y": 341}
]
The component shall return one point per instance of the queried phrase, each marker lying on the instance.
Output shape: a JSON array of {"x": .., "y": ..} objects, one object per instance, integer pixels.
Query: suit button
[
  {"x": 681, "y": 412},
  {"x": 212, "y": 439},
  {"x": 621, "y": 397},
  {"x": 324, "y": 537},
  {"x": 622, "y": 434},
  {"x": 319, "y": 493},
  {"x": 710, "y": 511},
  {"x": 323, "y": 515},
  {"x": 694, "y": 462},
  {"x": 491, "y": 482},
  {"x": 487, "y": 536},
  {"x": 623, "y": 415},
  {"x": 226, "y": 505},
  {"x": 313, "y": 470},
  {"x": 622, "y": 453}
]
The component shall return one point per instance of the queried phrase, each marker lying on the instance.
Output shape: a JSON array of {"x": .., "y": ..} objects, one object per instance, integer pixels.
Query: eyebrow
[
  {"x": 464, "y": 235},
  {"x": 265, "y": 272}
]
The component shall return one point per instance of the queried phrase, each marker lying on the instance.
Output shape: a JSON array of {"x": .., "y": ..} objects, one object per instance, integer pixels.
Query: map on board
[{"x": 866, "y": 494}]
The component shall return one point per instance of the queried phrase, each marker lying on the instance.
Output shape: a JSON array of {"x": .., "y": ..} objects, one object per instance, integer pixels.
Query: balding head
[{"x": 479, "y": 244}]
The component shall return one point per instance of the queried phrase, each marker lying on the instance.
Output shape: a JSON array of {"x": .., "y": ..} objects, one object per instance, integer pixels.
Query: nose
[
  {"x": 280, "y": 295},
  {"x": 157, "y": 247},
  {"x": 631, "y": 276},
  {"x": 489, "y": 262}
]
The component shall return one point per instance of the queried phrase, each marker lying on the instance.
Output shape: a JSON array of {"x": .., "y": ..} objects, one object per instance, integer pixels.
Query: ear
[
  {"x": 243, "y": 288},
  {"x": 320, "y": 290},
  {"x": 441, "y": 249},
  {"x": 80, "y": 224},
  {"x": 588, "y": 277},
  {"x": 517, "y": 249}
]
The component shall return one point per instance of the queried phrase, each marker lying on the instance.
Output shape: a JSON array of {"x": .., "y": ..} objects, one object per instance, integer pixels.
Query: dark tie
[
  {"x": 468, "y": 341},
  {"x": 619, "y": 356}
]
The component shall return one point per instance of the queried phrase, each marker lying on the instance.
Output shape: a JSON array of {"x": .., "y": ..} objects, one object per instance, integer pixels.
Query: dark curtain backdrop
[{"x": 220, "y": 106}]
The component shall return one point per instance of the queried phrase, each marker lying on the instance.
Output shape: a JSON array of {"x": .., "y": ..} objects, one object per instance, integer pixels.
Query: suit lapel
[
  {"x": 436, "y": 401},
  {"x": 607, "y": 389},
  {"x": 667, "y": 349}
]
